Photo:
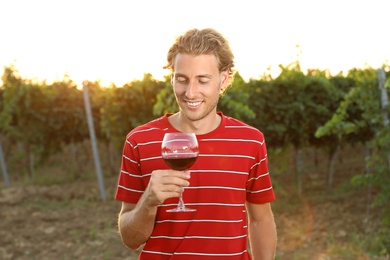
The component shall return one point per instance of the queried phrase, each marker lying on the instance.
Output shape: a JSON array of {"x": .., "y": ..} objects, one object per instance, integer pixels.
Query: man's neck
[{"x": 203, "y": 126}]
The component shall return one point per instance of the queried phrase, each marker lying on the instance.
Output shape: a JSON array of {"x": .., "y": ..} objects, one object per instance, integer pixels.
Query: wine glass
[{"x": 179, "y": 151}]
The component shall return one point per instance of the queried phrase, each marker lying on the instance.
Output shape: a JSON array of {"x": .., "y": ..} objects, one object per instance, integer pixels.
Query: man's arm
[
  {"x": 262, "y": 231},
  {"x": 136, "y": 221},
  {"x": 135, "y": 224}
]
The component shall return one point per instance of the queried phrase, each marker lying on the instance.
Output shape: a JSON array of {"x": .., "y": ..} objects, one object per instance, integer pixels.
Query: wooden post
[
  {"x": 93, "y": 141},
  {"x": 4, "y": 168},
  {"x": 384, "y": 97},
  {"x": 384, "y": 103}
]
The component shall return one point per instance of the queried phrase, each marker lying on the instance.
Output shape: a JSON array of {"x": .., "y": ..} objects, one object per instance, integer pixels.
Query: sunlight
[{"x": 118, "y": 42}]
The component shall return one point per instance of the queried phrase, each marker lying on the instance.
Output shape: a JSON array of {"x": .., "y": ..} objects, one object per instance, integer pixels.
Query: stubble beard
[{"x": 193, "y": 116}]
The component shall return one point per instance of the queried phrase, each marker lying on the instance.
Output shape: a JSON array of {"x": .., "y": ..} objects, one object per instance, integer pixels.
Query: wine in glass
[{"x": 179, "y": 151}]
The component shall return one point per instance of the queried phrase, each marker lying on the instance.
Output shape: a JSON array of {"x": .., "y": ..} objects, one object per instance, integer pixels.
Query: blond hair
[{"x": 205, "y": 41}]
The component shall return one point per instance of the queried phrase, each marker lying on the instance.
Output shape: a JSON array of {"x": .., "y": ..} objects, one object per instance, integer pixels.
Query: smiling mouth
[{"x": 193, "y": 104}]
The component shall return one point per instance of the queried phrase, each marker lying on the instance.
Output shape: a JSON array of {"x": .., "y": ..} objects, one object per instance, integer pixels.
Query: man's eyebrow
[
  {"x": 209, "y": 76},
  {"x": 205, "y": 76},
  {"x": 179, "y": 75}
]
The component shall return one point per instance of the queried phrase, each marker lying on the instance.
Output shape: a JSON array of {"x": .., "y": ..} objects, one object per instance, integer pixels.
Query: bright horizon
[{"x": 119, "y": 41}]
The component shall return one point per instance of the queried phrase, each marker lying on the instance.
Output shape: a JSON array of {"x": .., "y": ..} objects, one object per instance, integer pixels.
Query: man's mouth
[{"x": 193, "y": 104}]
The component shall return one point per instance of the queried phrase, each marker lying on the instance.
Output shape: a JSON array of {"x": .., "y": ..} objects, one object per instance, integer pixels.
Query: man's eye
[
  {"x": 181, "y": 80},
  {"x": 203, "y": 82}
]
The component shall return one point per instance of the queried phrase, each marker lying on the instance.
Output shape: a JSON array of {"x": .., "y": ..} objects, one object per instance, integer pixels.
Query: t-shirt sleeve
[
  {"x": 259, "y": 185},
  {"x": 130, "y": 184}
]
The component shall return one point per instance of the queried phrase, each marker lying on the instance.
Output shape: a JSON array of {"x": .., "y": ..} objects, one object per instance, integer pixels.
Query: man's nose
[{"x": 192, "y": 89}]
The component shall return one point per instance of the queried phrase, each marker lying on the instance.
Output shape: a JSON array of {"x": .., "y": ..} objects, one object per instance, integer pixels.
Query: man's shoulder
[
  {"x": 149, "y": 128},
  {"x": 234, "y": 123}
]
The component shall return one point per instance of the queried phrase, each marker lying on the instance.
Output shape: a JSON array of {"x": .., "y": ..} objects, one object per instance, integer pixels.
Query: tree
[
  {"x": 22, "y": 119},
  {"x": 127, "y": 107},
  {"x": 166, "y": 100},
  {"x": 234, "y": 102},
  {"x": 285, "y": 99},
  {"x": 359, "y": 119}
]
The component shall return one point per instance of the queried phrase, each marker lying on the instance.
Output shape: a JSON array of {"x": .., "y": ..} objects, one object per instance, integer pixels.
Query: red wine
[{"x": 180, "y": 164}]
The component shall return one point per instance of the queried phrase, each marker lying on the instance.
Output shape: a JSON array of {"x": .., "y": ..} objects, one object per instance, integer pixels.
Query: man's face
[{"x": 197, "y": 83}]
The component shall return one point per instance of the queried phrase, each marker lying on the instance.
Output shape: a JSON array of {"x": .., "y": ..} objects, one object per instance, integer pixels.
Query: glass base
[{"x": 181, "y": 209}]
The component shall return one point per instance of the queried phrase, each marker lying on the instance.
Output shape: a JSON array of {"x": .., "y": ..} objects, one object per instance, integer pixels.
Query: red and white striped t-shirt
[{"x": 232, "y": 168}]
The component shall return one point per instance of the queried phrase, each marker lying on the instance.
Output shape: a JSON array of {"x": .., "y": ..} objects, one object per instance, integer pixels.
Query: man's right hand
[{"x": 164, "y": 184}]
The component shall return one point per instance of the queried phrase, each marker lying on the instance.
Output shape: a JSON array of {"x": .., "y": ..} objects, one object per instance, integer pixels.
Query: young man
[{"x": 228, "y": 184}]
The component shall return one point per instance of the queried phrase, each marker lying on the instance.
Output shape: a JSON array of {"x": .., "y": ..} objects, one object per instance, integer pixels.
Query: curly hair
[{"x": 204, "y": 41}]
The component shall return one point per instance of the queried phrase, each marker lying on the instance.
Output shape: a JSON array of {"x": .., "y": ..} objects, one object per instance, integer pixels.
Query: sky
[{"x": 119, "y": 40}]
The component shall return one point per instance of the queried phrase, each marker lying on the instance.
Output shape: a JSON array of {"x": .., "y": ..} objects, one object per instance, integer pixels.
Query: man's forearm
[
  {"x": 263, "y": 239},
  {"x": 136, "y": 226}
]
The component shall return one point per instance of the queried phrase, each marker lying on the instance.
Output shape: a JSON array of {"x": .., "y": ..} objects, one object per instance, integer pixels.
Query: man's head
[{"x": 206, "y": 41}]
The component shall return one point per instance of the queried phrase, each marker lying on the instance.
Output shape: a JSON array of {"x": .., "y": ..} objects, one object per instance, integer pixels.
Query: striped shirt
[{"x": 232, "y": 168}]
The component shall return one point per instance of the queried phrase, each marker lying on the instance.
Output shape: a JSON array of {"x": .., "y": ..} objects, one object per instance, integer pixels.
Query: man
[{"x": 228, "y": 184}]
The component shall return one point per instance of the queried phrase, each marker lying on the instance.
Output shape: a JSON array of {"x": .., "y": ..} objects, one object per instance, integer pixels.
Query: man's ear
[{"x": 224, "y": 80}]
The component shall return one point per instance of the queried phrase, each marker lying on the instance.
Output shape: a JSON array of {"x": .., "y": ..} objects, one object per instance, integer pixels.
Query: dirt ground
[
  {"x": 59, "y": 222},
  {"x": 69, "y": 221}
]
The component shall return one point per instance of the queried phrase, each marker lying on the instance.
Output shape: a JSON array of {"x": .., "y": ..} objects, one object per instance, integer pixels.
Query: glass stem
[{"x": 181, "y": 202}]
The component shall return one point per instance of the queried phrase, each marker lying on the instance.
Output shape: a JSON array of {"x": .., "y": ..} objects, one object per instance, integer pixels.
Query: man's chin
[{"x": 191, "y": 115}]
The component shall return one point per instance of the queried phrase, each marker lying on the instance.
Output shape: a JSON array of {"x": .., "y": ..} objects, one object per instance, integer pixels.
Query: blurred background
[{"x": 313, "y": 76}]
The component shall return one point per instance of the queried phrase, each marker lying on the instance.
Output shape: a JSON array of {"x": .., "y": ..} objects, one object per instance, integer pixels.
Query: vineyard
[{"x": 329, "y": 147}]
